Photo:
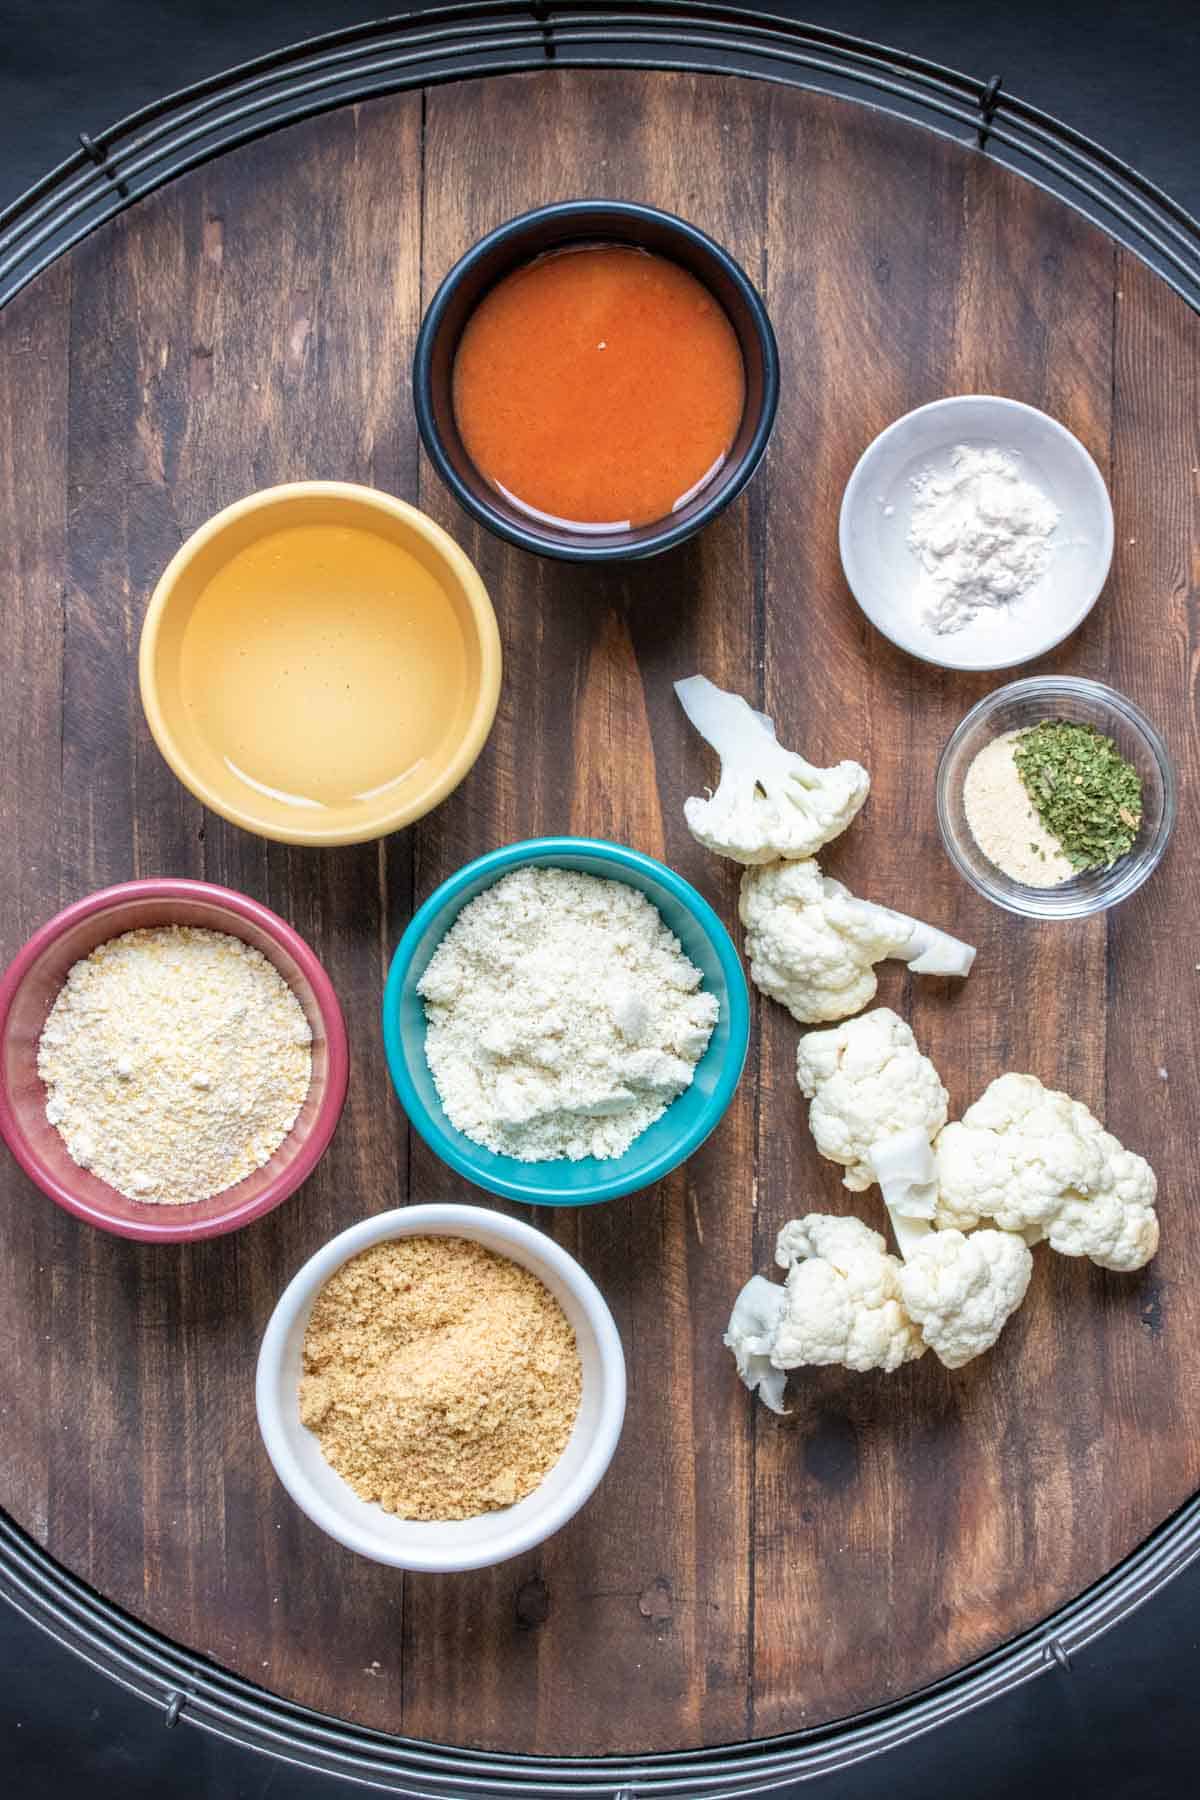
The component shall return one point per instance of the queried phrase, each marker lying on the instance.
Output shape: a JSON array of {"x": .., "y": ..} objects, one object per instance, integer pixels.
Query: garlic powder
[
  {"x": 563, "y": 1016},
  {"x": 1004, "y": 821},
  {"x": 176, "y": 1061}
]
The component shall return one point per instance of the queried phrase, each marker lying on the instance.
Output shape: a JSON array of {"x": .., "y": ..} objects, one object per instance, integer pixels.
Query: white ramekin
[{"x": 455, "y": 1544}]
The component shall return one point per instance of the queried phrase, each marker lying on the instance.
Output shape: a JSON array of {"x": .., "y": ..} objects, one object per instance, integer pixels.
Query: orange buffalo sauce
[{"x": 598, "y": 386}]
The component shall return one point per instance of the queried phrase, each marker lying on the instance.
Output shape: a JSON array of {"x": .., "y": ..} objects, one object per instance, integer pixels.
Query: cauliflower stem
[
  {"x": 928, "y": 950},
  {"x": 753, "y": 1324},
  {"x": 905, "y": 1169}
]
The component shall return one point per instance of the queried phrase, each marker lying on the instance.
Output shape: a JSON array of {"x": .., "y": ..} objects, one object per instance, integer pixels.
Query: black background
[{"x": 1122, "y": 1721}]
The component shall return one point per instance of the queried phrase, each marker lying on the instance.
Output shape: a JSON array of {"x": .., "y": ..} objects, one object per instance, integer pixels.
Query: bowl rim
[
  {"x": 597, "y": 549},
  {"x": 479, "y": 605},
  {"x": 609, "y": 857},
  {"x": 1037, "y": 903},
  {"x": 175, "y": 1228},
  {"x": 449, "y": 1219},
  {"x": 858, "y": 479}
]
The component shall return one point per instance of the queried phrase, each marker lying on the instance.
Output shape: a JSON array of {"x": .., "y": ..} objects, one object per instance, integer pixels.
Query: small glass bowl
[{"x": 1016, "y": 707}]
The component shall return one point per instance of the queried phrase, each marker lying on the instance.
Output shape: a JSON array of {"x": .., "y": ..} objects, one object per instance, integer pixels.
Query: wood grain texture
[
  {"x": 641, "y": 1579},
  {"x": 736, "y": 1575},
  {"x": 926, "y": 283},
  {"x": 34, "y": 340}
]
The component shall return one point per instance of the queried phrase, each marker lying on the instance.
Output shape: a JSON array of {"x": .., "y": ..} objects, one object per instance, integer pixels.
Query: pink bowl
[{"x": 28, "y": 991}]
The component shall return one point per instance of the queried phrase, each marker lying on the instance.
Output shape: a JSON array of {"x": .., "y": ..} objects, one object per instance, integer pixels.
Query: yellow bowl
[{"x": 320, "y": 663}]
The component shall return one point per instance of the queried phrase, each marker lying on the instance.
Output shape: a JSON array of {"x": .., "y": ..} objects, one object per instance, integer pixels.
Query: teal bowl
[{"x": 686, "y": 1122}]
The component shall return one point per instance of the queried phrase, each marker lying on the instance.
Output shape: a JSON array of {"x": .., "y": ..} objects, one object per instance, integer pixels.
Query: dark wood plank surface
[
  {"x": 736, "y": 1575},
  {"x": 599, "y": 652},
  {"x": 932, "y": 284}
]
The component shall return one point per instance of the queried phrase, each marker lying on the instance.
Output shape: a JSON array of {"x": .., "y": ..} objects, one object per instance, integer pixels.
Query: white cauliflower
[
  {"x": 962, "y": 1291},
  {"x": 1039, "y": 1163},
  {"x": 840, "y": 1304},
  {"x": 843, "y": 1298},
  {"x": 868, "y": 1082},
  {"x": 813, "y": 946},
  {"x": 847, "y": 1301},
  {"x": 769, "y": 802}
]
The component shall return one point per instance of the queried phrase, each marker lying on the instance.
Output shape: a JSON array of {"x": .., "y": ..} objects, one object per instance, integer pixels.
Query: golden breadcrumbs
[{"x": 441, "y": 1380}]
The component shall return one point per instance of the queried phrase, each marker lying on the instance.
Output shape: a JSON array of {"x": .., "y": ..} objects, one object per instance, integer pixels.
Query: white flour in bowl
[
  {"x": 563, "y": 1016},
  {"x": 980, "y": 534}
]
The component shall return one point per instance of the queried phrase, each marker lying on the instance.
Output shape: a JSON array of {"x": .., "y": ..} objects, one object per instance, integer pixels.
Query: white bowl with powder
[
  {"x": 976, "y": 532},
  {"x": 443, "y": 1546}
]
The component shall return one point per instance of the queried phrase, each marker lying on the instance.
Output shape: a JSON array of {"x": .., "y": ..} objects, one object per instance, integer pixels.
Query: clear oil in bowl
[{"x": 322, "y": 665}]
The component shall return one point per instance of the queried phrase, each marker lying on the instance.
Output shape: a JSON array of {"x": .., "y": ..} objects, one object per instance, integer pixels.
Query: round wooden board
[{"x": 736, "y": 1575}]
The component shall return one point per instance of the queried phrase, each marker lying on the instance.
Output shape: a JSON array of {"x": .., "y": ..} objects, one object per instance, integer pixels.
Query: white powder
[
  {"x": 1004, "y": 822},
  {"x": 980, "y": 533},
  {"x": 563, "y": 1016},
  {"x": 176, "y": 1062}
]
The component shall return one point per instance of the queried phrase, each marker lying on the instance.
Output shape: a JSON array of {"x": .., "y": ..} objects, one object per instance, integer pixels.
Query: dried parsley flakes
[{"x": 1083, "y": 790}]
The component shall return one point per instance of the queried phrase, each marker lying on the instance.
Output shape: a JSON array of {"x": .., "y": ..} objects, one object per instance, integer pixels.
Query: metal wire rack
[
  {"x": 185, "y": 1688},
  {"x": 114, "y": 168}
]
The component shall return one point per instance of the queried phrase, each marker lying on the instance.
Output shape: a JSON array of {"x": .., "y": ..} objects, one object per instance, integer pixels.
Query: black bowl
[{"x": 518, "y": 242}]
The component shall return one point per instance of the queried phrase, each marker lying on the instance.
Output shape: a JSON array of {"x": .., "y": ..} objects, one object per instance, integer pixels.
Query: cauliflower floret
[
  {"x": 867, "y": 1081},
  {"x": 843, "y": 1298},
  {"x": 980, "y": 1172},
  {"x": 1039, "y": 1163},
  {"x": 847, "y": 1301},
  {"x": 961, "y": 1291},
  {"x": 1117, "y": 1227},
  {"x": 813, "y": 946},
  {"x": 840, "y": 1304},
  {"x": 800, "y": 953},
  {"x": 769, "y": 802}
]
